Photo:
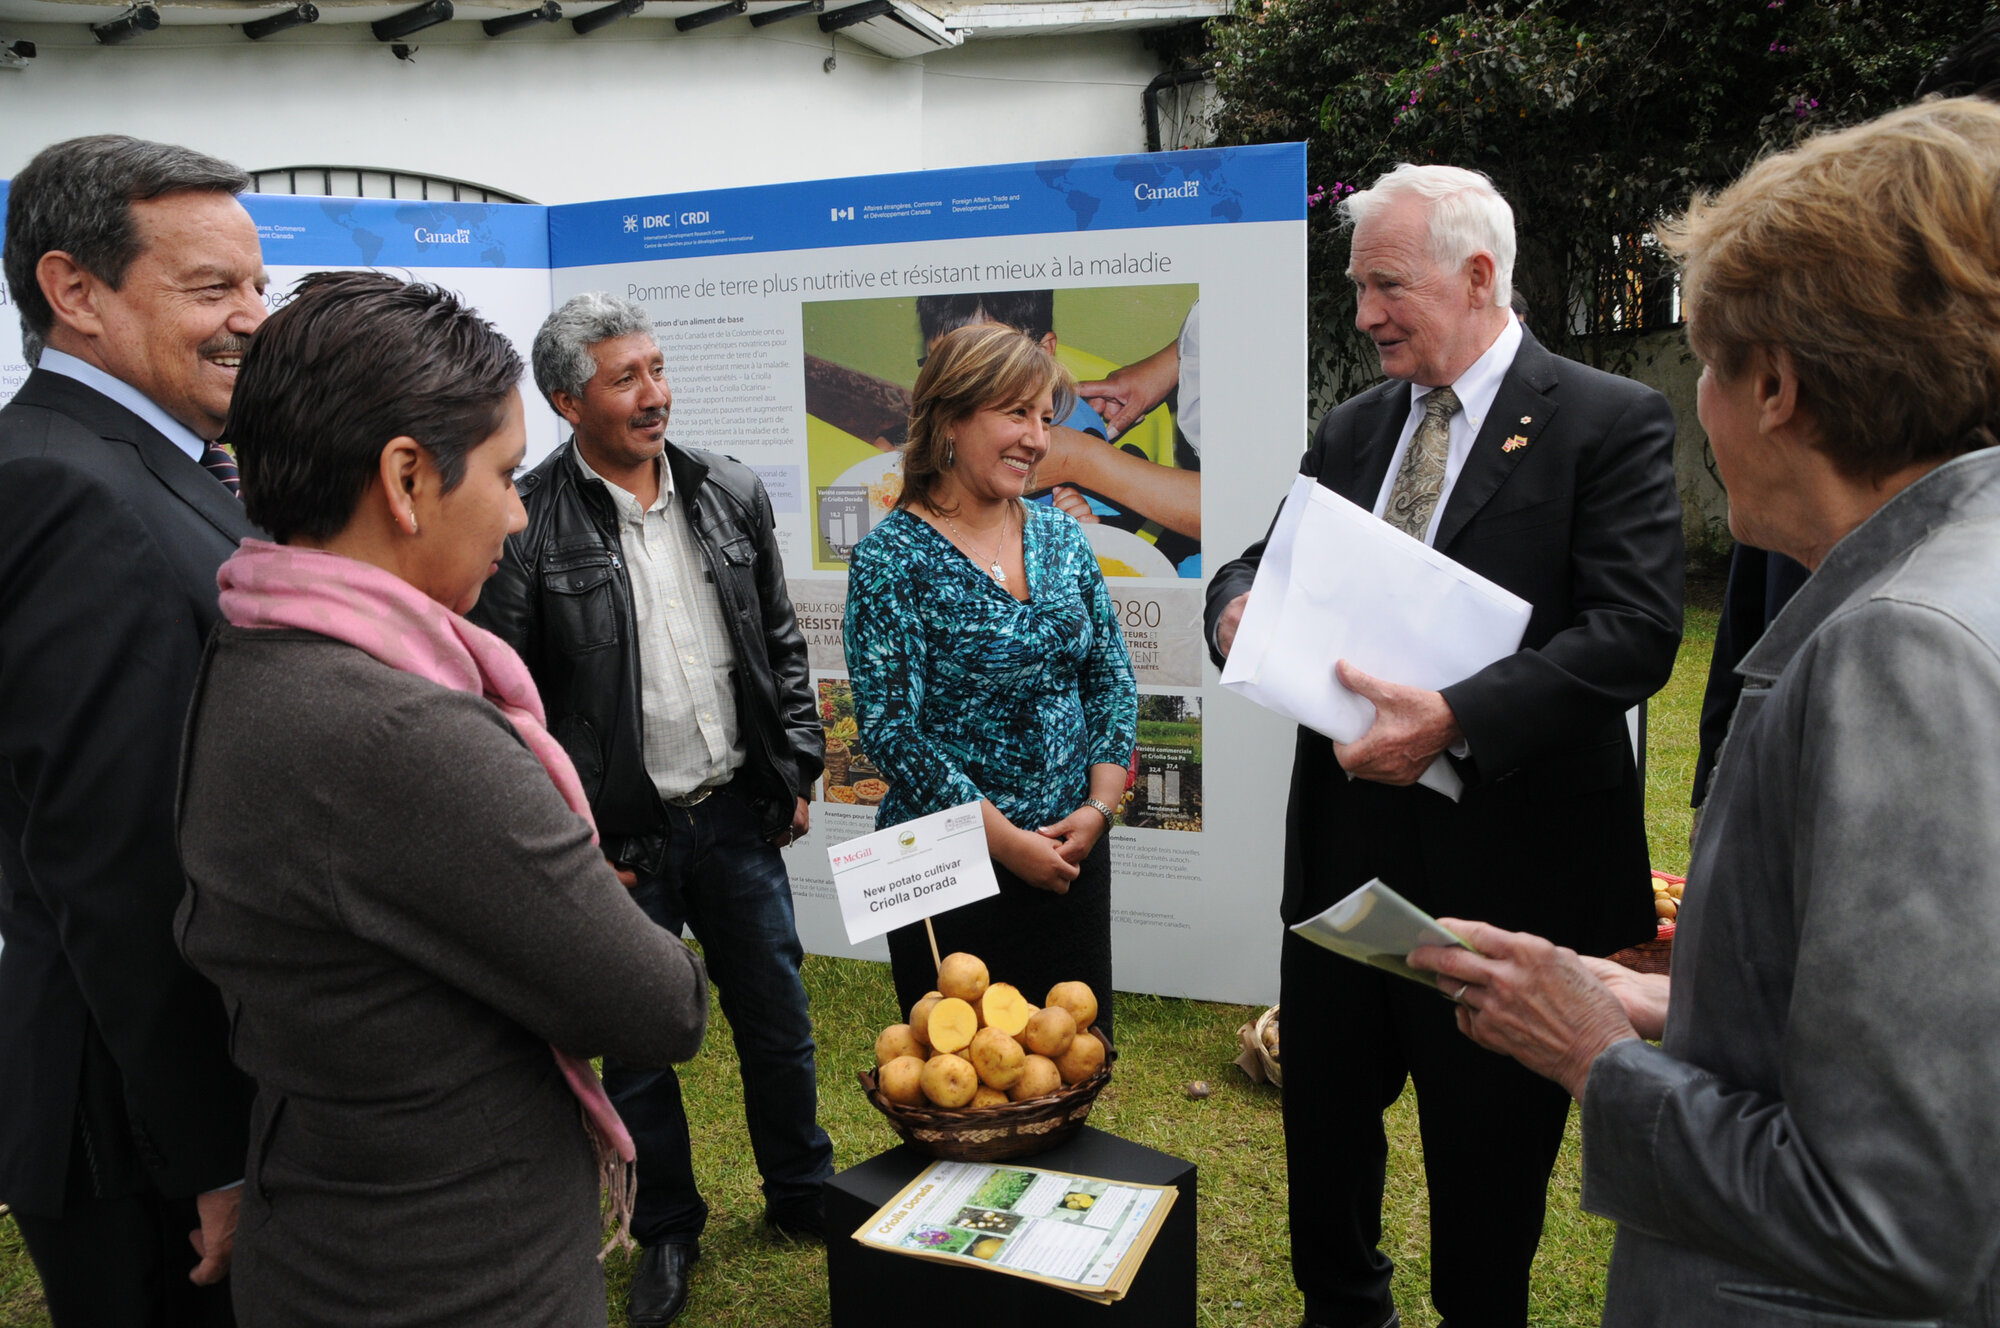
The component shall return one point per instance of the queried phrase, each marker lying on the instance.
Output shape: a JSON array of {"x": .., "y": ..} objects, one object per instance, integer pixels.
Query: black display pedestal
[{"x": 865, "y": 1281}]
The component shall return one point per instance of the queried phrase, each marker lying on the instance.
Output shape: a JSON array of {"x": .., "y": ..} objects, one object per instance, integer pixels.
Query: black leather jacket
[{"x": 563, "y": 600}]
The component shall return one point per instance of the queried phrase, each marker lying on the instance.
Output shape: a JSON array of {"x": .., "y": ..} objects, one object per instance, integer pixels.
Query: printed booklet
[{"x": 1082, "y": 1234}]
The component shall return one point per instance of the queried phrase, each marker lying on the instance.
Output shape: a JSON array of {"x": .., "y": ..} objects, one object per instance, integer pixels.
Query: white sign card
[{"x": 912, "y": 871}]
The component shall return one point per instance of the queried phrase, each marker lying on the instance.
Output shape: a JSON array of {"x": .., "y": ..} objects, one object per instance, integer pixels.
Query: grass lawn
[{"x": 748, "y": 1279}]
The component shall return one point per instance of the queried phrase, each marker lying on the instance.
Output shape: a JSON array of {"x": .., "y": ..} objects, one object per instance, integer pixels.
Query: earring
[
  {"x": 413, "y": 521},
  {"x": 950, "y": 455}
]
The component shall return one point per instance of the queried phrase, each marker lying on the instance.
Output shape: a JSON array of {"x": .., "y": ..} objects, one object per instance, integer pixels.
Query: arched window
[{"x": 369, "y": 182}]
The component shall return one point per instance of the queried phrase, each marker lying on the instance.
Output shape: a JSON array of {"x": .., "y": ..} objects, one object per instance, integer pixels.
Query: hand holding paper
[
  {"x": 1412, "y": 726},
  {"x": 1335, "y": 583}
]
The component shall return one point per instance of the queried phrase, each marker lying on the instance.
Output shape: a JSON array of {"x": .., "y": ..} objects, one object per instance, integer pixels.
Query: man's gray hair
[
  {"x": 563, "y": 362},
  {"x": 1467, "y": 215},
  {"x": 77, "y": 196}
]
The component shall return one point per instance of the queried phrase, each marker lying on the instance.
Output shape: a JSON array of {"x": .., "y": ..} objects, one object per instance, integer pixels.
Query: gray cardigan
[
  {"x": 1817, "y": 1140},
  {"x": 402, "y": 914}
]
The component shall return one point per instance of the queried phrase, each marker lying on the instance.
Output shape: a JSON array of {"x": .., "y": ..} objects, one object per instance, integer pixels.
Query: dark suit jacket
[
  {"x": 1582, "y": 521},
  {"x": 110, "y": 537}
]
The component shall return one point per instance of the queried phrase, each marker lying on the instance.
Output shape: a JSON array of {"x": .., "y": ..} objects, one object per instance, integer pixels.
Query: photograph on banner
[
  {"x": 1141, "y": 508},
  {"x": 1163, "y": 785},
  {"x": 850, "y": 777}
]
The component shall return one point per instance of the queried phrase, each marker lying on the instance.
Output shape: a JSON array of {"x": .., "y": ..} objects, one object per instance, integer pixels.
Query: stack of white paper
[{"x": 1338, "y": 583}]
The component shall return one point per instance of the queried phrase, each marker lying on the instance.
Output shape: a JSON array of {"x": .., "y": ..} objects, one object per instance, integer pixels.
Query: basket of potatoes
[
  {"x": 981, "y": 1074},
  {"x": 1657, "y": 955}
]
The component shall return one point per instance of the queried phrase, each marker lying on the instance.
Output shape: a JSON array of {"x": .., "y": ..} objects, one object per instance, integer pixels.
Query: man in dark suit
[
  {"x": 1555, "y": 481},
  {"x": 122, "y": 1126}
]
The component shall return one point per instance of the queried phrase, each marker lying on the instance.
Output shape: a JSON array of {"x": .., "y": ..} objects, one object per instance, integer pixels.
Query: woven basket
[
  {"x": 1656, "y": 955},
  {"x": 1255, "y": 1059},
  {"x": 995, "y": 1134},
  {"x": 837, "y": 755}
]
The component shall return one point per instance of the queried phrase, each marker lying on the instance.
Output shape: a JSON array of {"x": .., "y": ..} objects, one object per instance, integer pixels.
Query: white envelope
[{"x": 1337, "y": 582}]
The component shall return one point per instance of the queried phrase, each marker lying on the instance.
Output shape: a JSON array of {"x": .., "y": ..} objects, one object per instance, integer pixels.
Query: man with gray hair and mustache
[
  {"x": 648, "y": 599},
  {"x": 123, "y": 1124}
]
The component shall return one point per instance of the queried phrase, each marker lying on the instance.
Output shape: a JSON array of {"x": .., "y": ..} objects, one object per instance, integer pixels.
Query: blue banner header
[
  {"x": 304, "y": 231},
  {"x": 1202, "y": 188}
]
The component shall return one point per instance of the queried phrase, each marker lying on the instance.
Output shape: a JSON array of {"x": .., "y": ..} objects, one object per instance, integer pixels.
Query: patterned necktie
[
  {"x": 215, "y": 459},
  {"x": 1421, "y": 478}
]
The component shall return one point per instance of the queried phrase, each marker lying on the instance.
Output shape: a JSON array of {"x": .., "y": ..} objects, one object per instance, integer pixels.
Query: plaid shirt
[{"x": 690, "y": 736}]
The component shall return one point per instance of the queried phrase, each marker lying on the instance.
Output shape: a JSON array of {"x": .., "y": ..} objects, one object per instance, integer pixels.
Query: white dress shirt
[
  {"x": 125, "y": 395},
  {"x": 689, "y": 734},
  {"x": 1476, "y": 388}
]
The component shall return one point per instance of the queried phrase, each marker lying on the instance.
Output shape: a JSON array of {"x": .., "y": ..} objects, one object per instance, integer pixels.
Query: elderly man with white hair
[{"x": 1556, "y": 481}]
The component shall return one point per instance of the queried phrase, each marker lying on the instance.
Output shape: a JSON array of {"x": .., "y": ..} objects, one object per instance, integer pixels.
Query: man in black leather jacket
[{"x": 648, "y": 599}]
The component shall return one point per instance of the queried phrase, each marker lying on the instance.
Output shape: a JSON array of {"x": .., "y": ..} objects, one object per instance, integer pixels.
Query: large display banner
[{"x": 794, "y": 319}]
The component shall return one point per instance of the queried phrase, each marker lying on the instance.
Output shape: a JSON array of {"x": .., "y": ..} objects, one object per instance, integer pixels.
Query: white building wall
[{"x": 635, "y": 109}]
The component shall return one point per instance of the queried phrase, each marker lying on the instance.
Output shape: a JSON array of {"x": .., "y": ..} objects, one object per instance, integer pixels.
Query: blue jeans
[{"x": 722, "y": 880}]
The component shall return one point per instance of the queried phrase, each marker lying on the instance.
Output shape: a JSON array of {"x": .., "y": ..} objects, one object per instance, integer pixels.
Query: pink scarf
[{"x": 376, "y": 611}]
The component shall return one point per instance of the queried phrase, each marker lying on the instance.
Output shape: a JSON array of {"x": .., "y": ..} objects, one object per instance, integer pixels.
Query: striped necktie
[{"x": 217, "y": 461}]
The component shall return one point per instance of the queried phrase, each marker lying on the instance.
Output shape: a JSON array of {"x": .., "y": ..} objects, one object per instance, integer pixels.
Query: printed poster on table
[{"x": 1081, "y": 1234}]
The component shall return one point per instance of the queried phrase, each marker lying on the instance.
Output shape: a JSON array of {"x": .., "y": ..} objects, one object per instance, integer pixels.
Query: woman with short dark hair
[{"x": 392, "y": 873}]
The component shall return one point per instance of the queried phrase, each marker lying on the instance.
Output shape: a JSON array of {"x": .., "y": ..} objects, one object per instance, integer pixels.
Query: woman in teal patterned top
[{"x": 988, "y": 667}]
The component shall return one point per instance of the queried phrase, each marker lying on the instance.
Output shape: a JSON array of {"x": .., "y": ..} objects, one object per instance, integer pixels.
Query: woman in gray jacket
[
  {"x": 392, "y": 874},
  {"x": 1816, "y": 1139}
]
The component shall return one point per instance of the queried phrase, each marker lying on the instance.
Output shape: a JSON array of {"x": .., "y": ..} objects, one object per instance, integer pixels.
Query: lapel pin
[
  {"x": 1527, "y": 419},
  {"x": 1517, "y": 441}
]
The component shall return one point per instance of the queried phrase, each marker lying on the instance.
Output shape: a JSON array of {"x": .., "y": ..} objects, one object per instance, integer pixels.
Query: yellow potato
[
  {"x": 1078, "y": 999},
  {"x": 1003, "y": 1007},
  {"x": 1666, "y": 908},
  {"x": 898, "y": 1040},
  {"x": 952, "y": 1024},
  {"x": 1039, "y": 1077},
  {"x": 920, "y": 1020},
  {"x": 997, "y": 1058},
  {"x": 1049, "y": 1031},
  {"x": 962, "y": 975},
  {"x": 988, "y": 1097},
  {"x": 1082, "y": 1059},
  {"x": 901, "y": 1081},
  {"x": 949, "y": 1081}
]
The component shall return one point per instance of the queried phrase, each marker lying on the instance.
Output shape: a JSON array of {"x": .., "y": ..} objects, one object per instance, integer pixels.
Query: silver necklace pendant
[{"x": 999, "y": 572}]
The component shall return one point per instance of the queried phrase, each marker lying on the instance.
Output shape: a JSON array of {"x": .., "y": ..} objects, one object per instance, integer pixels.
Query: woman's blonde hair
[
  {"x": 969, "y": 369},
  {"x": 1871, "y": 257}
]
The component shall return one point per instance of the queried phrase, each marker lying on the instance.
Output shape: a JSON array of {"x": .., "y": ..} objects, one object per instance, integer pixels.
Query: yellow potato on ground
[
  {"x": 901, "y": 1081},
  {"x": 1081, "y": 1060},
  {"x": 962, "y": 975},
  {"x": 997, "y": 1057},
  {"x": 1003, "y": 1007},
  {"x": 1049, "y": 1031},
  {"x": 989, "y": 1097},
  {"x": 949, "y": 1081},
  {"x": 920, "y": 1021},
  {"x": 952, "y": 1024},
  {"x": 898, "y": 1040},
  {"x": 1039, "y": 1078},
  {"x": 1078, "y": 999}
]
